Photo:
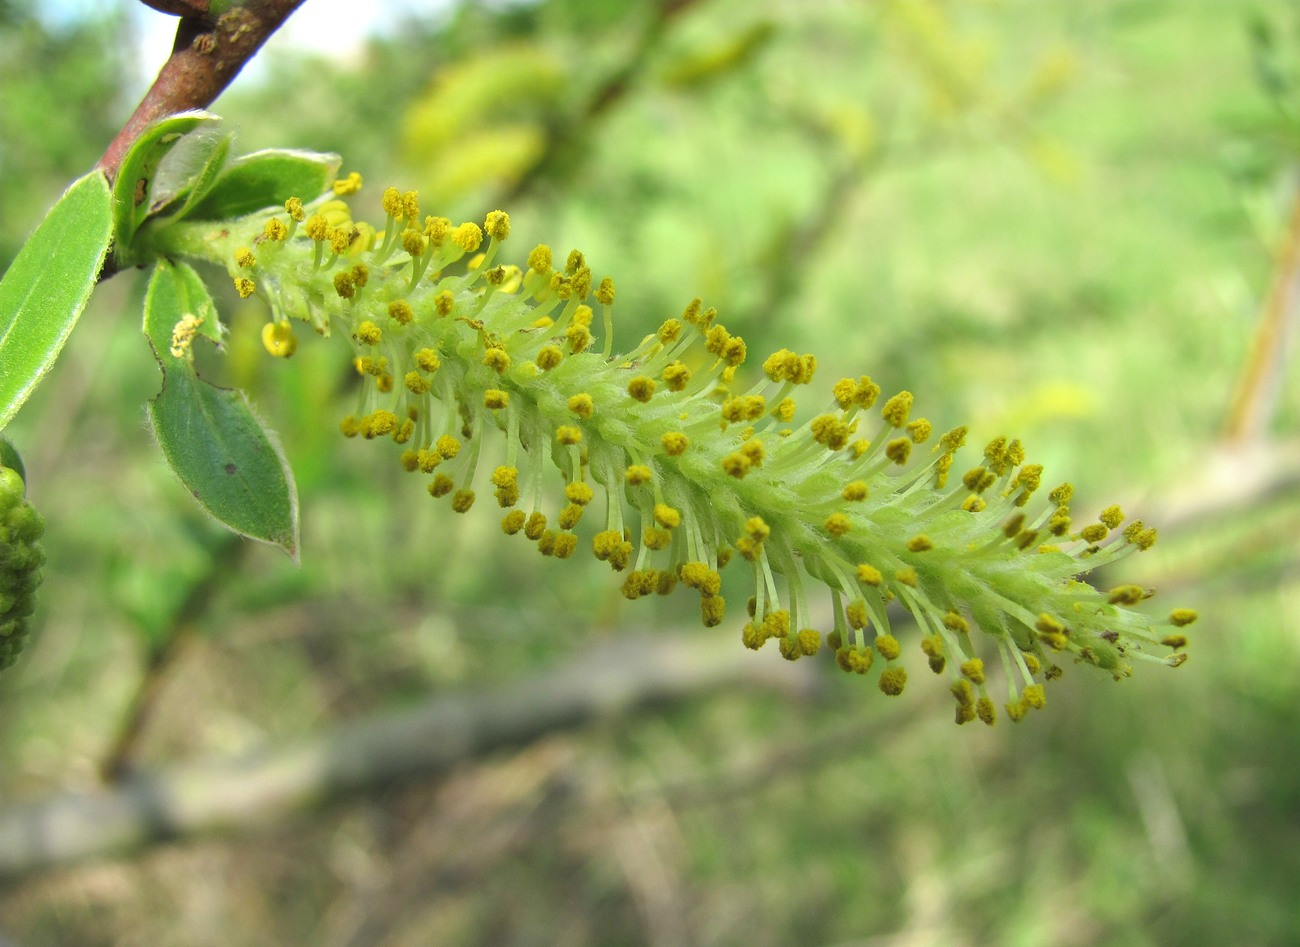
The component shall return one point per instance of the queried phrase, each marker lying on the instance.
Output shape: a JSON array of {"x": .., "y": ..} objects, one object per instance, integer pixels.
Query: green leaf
[
  {"x": 47, "y": 286},
  {"x": 196, "y": 181},
  {"x": 210, "y": 436},
  {"x": 266, "y": 179},
  {"x": 9, "y": 457},
  {"x": 176, "y": 290},
  {"x": 133, "y": 189}
]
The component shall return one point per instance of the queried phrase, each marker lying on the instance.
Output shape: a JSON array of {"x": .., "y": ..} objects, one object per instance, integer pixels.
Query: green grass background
[{"x": 1054, "y": 219}]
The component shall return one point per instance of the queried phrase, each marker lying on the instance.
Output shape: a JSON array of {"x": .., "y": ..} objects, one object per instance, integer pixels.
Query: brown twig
[
  {"x": 179, "y": 7},
  {"x": 208, "y": 53},
  {"x": 1256, "y": 398}
]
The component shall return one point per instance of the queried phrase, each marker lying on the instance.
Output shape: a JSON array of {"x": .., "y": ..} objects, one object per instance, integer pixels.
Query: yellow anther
[
  {"x": 348, "y": 185},
  {"x": 413, "y": 242},
  {"x": 956, "y": 622},
  {"x": 278, "y": 339},
  {"x": 495, "y": 399},
  {"x": 736, "y": 464},
  {"x": 497, "y": 224},
  {"x": 855, "y": 491},
  {"x": 641, "y": 388},
  {"x": 869, "y": 575},
  {"x": 897, "y": 409},
  {"x": 676, "y": 375},
  {"x": 467, "y": 236},
  {"x": 638, "y": 474},
  {"x": 655, "y": 538},
  {"x": 568, "y": 434},
  {"x": 666, "y": 516},
  {"x": 496, "y": 359},
  {"x": 712, "y": 610},
  {"x": 427, "y": 360},
  {"x": 579, "y": 338},
  {"x": 399, "y": 310},
  {"x": 1094, "y": 533},
  {"x": 888, "y": 647},
  {"x": 570, "y": 516},
  {"x": 829, "y": 430},
  {"x": 535, "y": 527},
  {"x": 669, "y": 331},
  {"x": 539, "y": 260},
  {"x": 920, "y": 430},
  {"x": 1062, "y": 495},
  {"x": 1126, "y": 595},
  {"x": 837, "y": 524},
  {"x": 893, "y": 680},
  {"x": 565, "y": 545},
  {"x": 548, "y": 356},
  {"x": 899, "y": 450},
  {"x": 582, "y": 405},
  {"x": 675, "y": 443}
]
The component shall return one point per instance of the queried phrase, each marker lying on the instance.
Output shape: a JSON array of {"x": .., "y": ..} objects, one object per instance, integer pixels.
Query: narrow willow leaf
[
  {"x": 212, "y": 440},
  {"x": 133, "y": 189},
  {"x": 266, "y": 179},
  {"x": 47, "y": 285}
]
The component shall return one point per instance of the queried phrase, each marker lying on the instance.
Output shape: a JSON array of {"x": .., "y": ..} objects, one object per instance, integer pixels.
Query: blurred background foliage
[{"x": 1053, "y": 218}]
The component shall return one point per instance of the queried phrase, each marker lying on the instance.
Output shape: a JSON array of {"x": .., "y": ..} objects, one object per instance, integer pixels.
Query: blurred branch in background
[
  {"x": 259, "y": 788},
  {"x": 1256, "y": 399},
  {"x": 1272, "y": 138},
  {"x": 564, "y": 138},
  {"x": 163, "y": 650}
]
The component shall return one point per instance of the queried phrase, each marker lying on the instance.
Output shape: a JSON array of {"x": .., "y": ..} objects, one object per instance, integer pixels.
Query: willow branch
[
  {"x": 263, "y": 786},
  {"x": 208, "y": 53}
]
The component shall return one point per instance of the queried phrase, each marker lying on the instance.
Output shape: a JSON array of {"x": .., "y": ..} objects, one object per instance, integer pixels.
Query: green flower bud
[{"x": 21, "y": 558}]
